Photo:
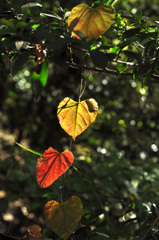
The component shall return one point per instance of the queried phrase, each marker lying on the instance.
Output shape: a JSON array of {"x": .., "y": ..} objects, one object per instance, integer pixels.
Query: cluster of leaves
[{"x": 32, "y": 37}]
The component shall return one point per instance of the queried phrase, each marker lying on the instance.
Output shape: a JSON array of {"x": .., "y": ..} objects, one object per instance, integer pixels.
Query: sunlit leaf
[
  {"x": 75, "y": 117},
  {"x": 63, "y": 218},
  {"x": 92, "y": 23},
  {"x": 52, "y": 165}
]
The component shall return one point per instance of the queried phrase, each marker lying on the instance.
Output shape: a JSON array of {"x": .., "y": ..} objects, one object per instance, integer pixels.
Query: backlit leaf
[
  {"x": 52, "y": 165},
  {"x": 92, "y": 23},
  {"x": 63, "y": 218},
  {"x": 75, "y": 117}
]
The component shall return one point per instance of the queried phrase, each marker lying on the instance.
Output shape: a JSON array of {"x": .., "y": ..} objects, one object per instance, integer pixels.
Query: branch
[
  {"x": 107, "y": 70},
  {"x": 114, "y": 72},
  {"x": 7, "y": 237},
  {"x": 150, "y": 228}
]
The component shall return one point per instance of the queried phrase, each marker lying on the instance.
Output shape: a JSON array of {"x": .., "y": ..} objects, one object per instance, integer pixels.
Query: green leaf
[
  {"x": 138, "y": 16},
  {"x": 42, "y": 77},
  {"x": 115, "y": 49}
]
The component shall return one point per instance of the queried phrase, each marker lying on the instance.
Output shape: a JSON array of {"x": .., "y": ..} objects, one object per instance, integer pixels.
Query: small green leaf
[
  {"x": 35, "y": 26},
  {"x": 115, "y": 49}
]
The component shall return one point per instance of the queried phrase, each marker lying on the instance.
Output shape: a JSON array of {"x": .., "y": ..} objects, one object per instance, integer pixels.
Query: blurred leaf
[
  {"x": 138, "y": 16},
  {"x": 63, "y": 218},
  {"x": 75, "y": 117},
  {"x": 7, "y": 23},
  {"x": 92, "y": 23},
  {"x": 51, "y": 165}
]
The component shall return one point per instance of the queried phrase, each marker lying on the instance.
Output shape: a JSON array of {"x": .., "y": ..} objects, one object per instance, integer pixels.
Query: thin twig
[
  {"x": 85, "y": 83},
  {"x": 82, "y": 71},
  {"x": 70, "y": 144},
  {"x": 150, "y": 228},
  {"x": 62, "y": 186}
]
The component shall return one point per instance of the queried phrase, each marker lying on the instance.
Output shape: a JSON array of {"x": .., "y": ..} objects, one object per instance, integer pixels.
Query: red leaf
[{"x": 52, "y": 165}]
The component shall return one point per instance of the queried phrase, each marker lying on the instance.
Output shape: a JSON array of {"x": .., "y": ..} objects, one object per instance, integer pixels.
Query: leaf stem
[
  {"x": 70, "y": 144},
  {"x": 85, "y": 83},
  {"x": 27, "y": 149}
]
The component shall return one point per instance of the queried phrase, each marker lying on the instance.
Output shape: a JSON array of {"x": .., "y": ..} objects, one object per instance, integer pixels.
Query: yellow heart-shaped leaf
[
  {"x": 92, "y": 23},
  {"x": 75, "y": 117},
  {"x": 63, "y": 218}
]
